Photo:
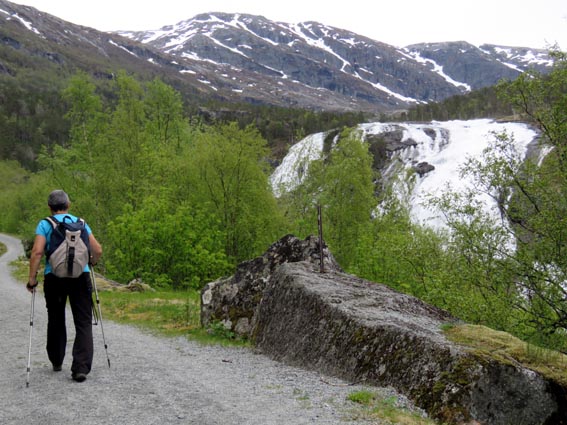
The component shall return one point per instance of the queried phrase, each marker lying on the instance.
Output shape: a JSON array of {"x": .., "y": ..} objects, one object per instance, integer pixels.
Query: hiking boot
[
  {"x": 57, "y": 368},
  {"x": 79, "y": 377}
]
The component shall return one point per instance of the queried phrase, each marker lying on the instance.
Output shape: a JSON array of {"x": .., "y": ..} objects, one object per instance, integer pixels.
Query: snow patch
[
  {"x": 25, "y": 23},
  {"x": 438, "y": 69}
]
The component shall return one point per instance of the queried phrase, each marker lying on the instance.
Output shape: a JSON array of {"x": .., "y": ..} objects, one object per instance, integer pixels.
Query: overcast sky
[{"x": 527, "y": 23}]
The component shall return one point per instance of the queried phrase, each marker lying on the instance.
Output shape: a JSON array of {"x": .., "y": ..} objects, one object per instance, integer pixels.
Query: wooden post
[{"x": 320, "y": 223}]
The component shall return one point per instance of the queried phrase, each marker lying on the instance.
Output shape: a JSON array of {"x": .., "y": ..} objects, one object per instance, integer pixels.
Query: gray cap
[{"x": 58, "y": 198}]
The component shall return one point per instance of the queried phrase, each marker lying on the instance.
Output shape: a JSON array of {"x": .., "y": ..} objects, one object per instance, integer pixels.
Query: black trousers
[{"x": 78, "y": 290}]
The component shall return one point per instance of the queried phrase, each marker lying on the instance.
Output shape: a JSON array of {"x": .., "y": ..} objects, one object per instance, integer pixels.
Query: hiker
[{"x": 57, "y": 289}]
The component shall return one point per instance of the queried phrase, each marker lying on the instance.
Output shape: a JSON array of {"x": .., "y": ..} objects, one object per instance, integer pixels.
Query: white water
[
  {"x": 454, "y": 142},
  {"x": 294, "y": 166}
]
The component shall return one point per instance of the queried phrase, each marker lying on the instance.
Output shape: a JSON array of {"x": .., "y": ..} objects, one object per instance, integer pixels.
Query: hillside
[
  {"x": 249, "y": 59},
  {"x": 313, "y": 65}
]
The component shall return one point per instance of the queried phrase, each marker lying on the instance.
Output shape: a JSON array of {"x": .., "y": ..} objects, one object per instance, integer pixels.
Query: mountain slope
[
  {"x": 32, "y": 40},
  {"x": 245, "y": 58},
  {"x": 298, "y": 58}
]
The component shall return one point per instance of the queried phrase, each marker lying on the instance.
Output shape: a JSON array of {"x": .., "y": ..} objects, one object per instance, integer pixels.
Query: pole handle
[{"x": 320, "y": 226}]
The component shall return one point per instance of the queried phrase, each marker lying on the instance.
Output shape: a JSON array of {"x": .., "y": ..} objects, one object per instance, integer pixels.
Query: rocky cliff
[{"x": 344, "y": 326}]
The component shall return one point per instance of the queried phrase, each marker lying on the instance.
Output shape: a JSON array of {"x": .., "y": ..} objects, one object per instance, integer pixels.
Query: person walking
[{"x": 58, "y": 289}]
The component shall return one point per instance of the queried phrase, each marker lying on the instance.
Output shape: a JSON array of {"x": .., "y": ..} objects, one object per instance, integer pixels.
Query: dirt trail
[{"x": 152, "y": 380}]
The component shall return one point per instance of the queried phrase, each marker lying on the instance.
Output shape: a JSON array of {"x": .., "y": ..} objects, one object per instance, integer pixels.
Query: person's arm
[
  {"x": 96, "y": 250},
  {"x": 35, "y": 260}
]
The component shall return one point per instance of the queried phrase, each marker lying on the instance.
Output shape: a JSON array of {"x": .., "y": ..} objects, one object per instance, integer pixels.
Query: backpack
[{"x": 69, "y": 249}]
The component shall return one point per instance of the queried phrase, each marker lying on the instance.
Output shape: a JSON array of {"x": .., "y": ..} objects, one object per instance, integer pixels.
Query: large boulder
[
  {"x": 234, "y": 301},
  {"x": 361, "y": 331}
]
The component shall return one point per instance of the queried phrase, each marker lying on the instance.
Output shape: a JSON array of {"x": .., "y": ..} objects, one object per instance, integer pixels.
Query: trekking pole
[
  {"x": 31, "y": 333},
  {"x": 99, "y": 313}
]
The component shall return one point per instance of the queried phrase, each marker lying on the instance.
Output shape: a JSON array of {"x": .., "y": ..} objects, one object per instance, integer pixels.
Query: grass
[
  {"x": 506, "y": 348},
  {"x": 169, "y": 313},
  {"x": 20, "y": 269},
  {"x": 372, "y": 406}
]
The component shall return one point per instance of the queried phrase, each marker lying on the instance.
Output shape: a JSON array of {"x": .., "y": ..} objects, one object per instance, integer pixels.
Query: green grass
[
  {"x": 20, "y": 270},
  {"x": 3, "y": 249},
  {"x": 505, "y": 348},
  {"x": 372, "y": 406},
  {"x": 169, "y": 313}
]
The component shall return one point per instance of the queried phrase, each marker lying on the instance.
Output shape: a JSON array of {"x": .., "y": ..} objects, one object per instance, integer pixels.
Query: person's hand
[{"x": 32, "y": 284}]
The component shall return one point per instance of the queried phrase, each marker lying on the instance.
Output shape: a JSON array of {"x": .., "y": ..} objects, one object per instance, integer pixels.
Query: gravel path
[{"x": 152, "y": 380}]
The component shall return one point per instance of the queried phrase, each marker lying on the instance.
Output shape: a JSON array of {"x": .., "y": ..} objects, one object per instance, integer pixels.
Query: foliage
[
  {"x": 399, "y": 253},
  {"x": 481, "y": 103},
  {"x": 174, "y": 204},
  {"x": 347, "y": 182},
  {"x": 30, "y": 115},
  {"x": 517, "y": 264},
  {"x": 337, "y": 182},
  {"x": 229, "y": 175},
  {"x": 166, "y": 246}
]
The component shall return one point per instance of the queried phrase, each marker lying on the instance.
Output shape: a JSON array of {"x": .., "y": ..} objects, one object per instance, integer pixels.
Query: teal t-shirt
[{"x": 44, "y": 228}]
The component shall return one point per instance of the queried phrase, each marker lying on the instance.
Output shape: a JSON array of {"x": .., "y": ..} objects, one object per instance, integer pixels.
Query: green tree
[
  {"x": 166, "y": 245},
  {"x": 348, "y": 195},
  {"x": 230, "y": 178},
  {"x": 81, "y": 166},
  {"x": 23, "y": 198},
  {"x": 521, "y": 259},
  {"x": 342, "y": 183},
  {"x": 126, "y": 144},
  {"x": 164, "y": 110}
]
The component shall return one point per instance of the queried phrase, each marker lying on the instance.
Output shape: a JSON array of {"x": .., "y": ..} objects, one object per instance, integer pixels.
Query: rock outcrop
[
  {"x": 345, "y": 326},
  {"x": 235, "y": 301}
]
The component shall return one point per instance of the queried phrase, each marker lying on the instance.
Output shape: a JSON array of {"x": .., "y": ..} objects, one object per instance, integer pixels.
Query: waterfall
[{"x": 443, "y": 145}]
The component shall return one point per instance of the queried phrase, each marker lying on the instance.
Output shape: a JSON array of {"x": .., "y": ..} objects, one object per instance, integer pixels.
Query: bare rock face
[{"x": 344, "y": 326}]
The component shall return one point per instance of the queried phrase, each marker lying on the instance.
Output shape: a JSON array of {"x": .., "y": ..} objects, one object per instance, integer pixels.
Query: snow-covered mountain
[
  {"x": 310, "y": 62},
  {"x": 436, "y": 150},
  {"x": 250, "y": 59}
]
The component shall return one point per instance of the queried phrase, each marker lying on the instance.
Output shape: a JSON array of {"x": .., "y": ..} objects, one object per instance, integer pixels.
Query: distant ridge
[
  {"x": 250, "y": 59},
  {"x": 292, "y": 60}
]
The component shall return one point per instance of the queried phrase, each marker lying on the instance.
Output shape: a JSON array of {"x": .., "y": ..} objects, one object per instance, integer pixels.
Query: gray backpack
[{"x": 69, "y": 249}]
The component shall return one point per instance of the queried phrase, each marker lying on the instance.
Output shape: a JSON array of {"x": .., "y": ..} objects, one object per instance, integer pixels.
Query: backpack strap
[{"x": 52, "y": 220}]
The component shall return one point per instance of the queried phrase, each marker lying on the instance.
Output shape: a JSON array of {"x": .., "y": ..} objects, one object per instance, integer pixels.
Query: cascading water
[{"x": 444, "y": 146}]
